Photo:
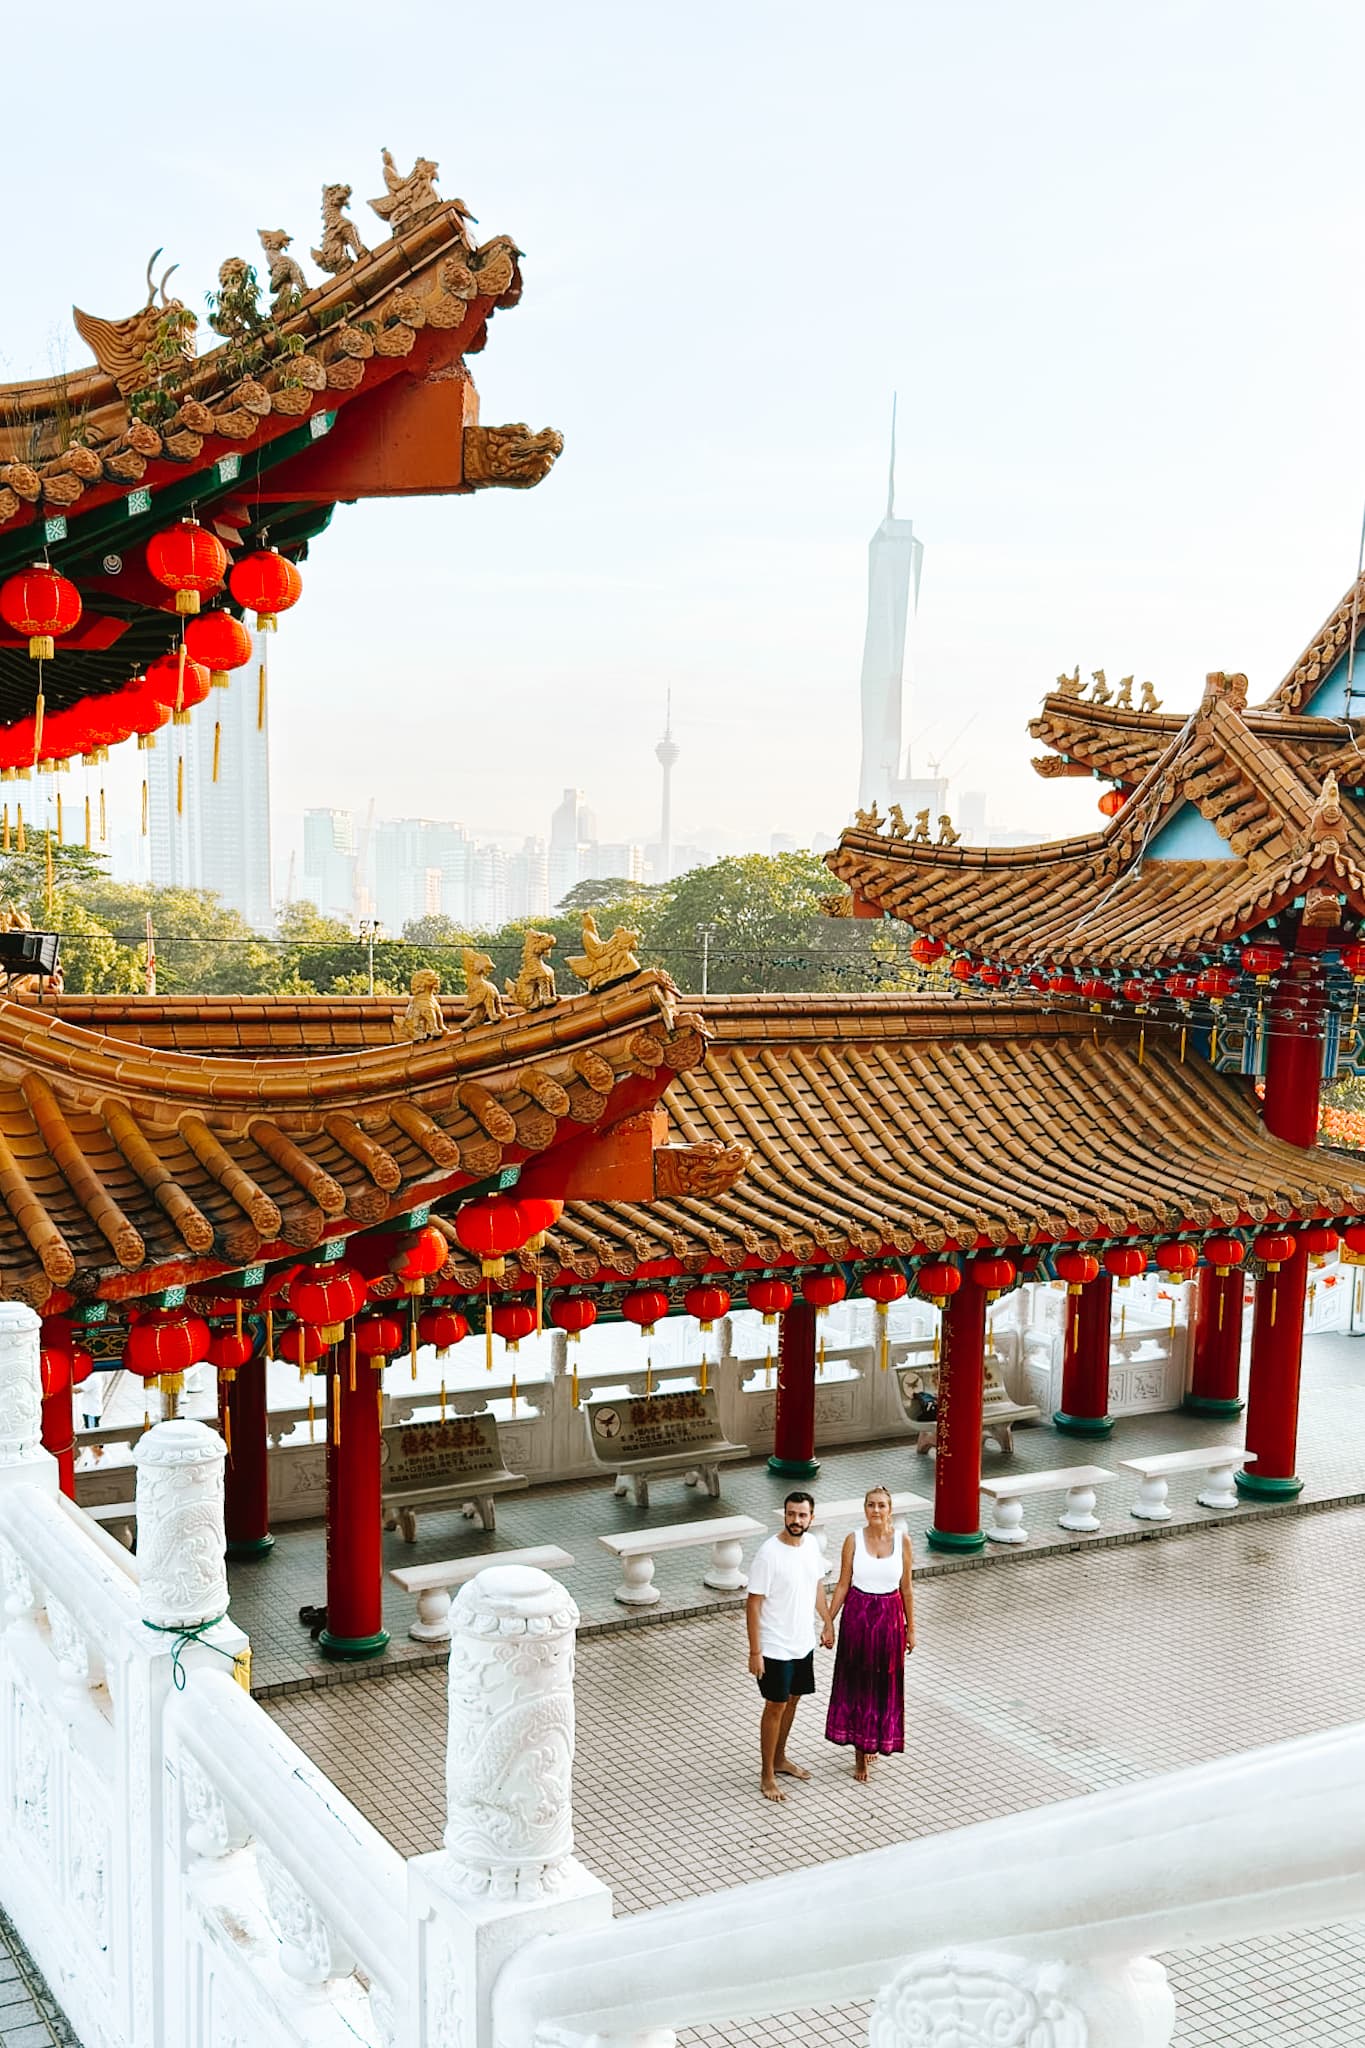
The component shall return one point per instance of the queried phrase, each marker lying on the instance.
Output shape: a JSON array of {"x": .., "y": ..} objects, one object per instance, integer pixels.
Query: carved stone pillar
[
  {"x": 180, "y": 1542},
  {"x": 22, "y": 1457},
  {"x": 509, "y": 1754},
  {"x": 960, "y": 1997}
]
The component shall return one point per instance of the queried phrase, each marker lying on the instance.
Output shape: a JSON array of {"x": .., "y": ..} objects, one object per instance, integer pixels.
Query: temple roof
[{"x": 135, "y": 1166}]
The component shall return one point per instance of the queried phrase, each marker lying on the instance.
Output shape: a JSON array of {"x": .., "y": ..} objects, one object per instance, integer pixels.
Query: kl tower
[{"x": 666, "y": 753}]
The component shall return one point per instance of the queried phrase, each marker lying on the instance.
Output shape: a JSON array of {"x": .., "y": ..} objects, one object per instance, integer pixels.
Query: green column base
[
  {"x": 794, "y": 1468},
  {"x": 350, "y": 1649},
  {"x": 955, "y": 1539},
  {"x": 1204, "y": 1404},
  {"x": 1082, "y": 1425},
  {"x": 1260, "y": 1486},
  {"x": 252, "y": 1546}
]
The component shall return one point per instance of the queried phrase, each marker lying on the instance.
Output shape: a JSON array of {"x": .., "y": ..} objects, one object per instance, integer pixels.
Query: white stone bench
[
  {"x": 724, "y": 1536},
  {"x": 919, "y": 1386},
  {"x": 432, "y": 1583},
  {"x": 1220, "y": 1461},
  {"x": 457, "y": 1463},
  {"x": 1007, "y": 1497},
  {"x": 660, "y": 1436},
  {"x": 848, "y": 1513}
]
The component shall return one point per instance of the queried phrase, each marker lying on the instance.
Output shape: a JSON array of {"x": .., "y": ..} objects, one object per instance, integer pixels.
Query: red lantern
[
  {"x": 513, "y": 1320},
  {"x": 300, "y": 1345},
  {"x": 1274, "y": 1250},
  {"x": 417, "y": 1256},
  {"x": 926, "y": 952},
  {"x": 708, "y": 1304},
  {"x": 1078, "y": 1269},
  {"x": 327, "y": 1296},
  {"x": 539, "y": 1214},
  {"x": 442, "y": 1327},
  {"x": 1141, "y": 992},
  {"x": 166, "y": 1342},
  {"x": 266, "y": 584},
  {"x": 1112, "y": 802},
  {"x": 1095, "y": 990},
  {"x": 645, "y": 1305},
  {"x": 41, "y": 605},
  {"x": 1353, "y": 960},
  {"x": 228, "y": 1352},
  {"x": 1353, "y": 1237},
  {"x": 189, "y": 560},
  {"x": 823, "y": 1290},
  {"x": 573, "y": 1313},
  {"x": 1124, "y": 1262},
  {"x": 54, "y": 1366},
  {"x": 884, "y": 1284},
  {"x": 1318, "y": 1241},
  {"x": 963, "y": 968},
  {"x": 491, "y": 1228},
  {"x": 995, "y": 1274},
  {"x": 176, "y": 685},
  {"x": 1182, "y": 988},
  {"x": 771, "y": 1298},
  {"x": 378, "y": 1336},
  {"x": 220, "y": 643},
  {"x": 936, "y": 1282},
  {"x": 1176, "y": 1261},
  {"x": 82, "y": 1364},
  {"x": 1223, "y": 1253},
  {"x": 1217, "y": 984},
  {"x": 989, "y": 975},
  {"x": 1262, "y": 961}
]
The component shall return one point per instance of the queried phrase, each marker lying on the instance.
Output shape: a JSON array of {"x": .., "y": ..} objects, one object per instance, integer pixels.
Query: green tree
[{"x": 762, "y": 923}]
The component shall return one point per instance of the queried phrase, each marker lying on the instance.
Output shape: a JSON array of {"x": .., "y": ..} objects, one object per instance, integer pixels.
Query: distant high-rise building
[
  {"x": 329, "y": 853},
  {"x": 894, "y": 557},
  {"x": 666, "y": 754},
  {"x": 406, "y": 854},
  {"x": 573, "y": 828},
  {"x": 528, "y": 880},
  {"x": 610, "y": 858},
  {"x": 204, "y": 834}
]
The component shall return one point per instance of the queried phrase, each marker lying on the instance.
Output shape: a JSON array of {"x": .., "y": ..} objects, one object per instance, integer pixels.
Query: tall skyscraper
[
  {"x": 893, "y": 572},
  {"x": 666, "y": 754},
  {"x": 329, "y": 852},
  {"x": 572, "y": 830},
  {"x": 216, "y": 835}
]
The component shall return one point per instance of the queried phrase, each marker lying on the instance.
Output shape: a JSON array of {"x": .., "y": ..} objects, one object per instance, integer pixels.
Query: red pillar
[
  {"x": 58, "y": 1431},
  {"x": 355, "y": 1563},
  {"x": 1085, "y": 1361},
  {"x": 794, "y": 1424},
  {"x": 961, "y": 1394},
  {"x": 1215, "y": 1380},
  {"x": 246, "y": 1495},
  {"x": 1293, "y": 1066},
  {"x": 1273, "y": 1385}
]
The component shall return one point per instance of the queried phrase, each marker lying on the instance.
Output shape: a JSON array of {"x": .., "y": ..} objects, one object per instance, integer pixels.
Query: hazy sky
[{"x": 1108, "y": 254}]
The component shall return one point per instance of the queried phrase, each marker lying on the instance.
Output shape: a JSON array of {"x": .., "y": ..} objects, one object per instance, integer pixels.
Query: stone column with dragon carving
[{"x": 23, "y": 1461}]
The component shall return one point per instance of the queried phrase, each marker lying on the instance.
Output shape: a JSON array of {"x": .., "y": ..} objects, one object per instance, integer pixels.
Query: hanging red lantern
[
  {"x": 823, "y": 1290},
  {"x": 1318, "y": 1241},
  {"x": 221, "y": 643},
  {"x": 937, "y": 1281},
  {"x": 1112, "y": 802},
  {"x": 300, "y": 1345},
  {"x": 989, "y": 975},
  {"x": 771, "y": 1298},
  {"x": 994, "y": 1273},
  {"x": 1353, "y": 960},
  {"x": 1353, "y": 1237},
  {"x": 82, "y": 1364},
  {"x": 228, "y": 1352},
  {"x": 1078, "y": 1269},
  {"x": 645, "y": 1306},
  {"x": 1096, "y": 990},
  {"x": 442, "y": 1327},
  {"x": 963, "y": 968},
  {"x": 327, "y": 1296},
  {"x": 1216, "y": 984},
  {"x": 1141, "y": 992},
  {"x": 378, "y": 1336},
  {"x": 539, "y": 1214},
  {"x": 189, "y": 560},
  {"x": 1274, "y": 1250},
  {"x": 1124, "y": 1262},
  {"x": 265, "y": 583},
  {"x": 1063, "y": 985},
  {"x": 54, "y": 1366},
  {"x": 176, "y": 685},
  {"x": 144, "y": 710},
  {"x": 491, "y": 1228},
  {"x": 1223, "y": 1253},
  {"x": 418, "y": 1255},
  {"x": 707, "y": 1303},
  {"x": 926, "y": 952},
  {"x": 884, "y": 1284},
  {"x": 42, "y": 606},
  {"x": 513, "y": 1320},
  {"x": 1262, "y": 961},
  {"x": 166, "y": 1342},
  {"x": 1176, "y": 1261},
  {"x": 573, "y": 1313},
  {"x": 1182, "y": 988}
]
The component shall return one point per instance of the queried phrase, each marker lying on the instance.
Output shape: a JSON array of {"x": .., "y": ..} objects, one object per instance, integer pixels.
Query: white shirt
[{"x": 787, "y": 1574}]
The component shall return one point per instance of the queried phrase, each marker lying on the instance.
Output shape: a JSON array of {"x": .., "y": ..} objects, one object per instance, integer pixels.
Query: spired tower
[
  {"x": 893, "y": 572},
  {"x": 666, "y": 754}
]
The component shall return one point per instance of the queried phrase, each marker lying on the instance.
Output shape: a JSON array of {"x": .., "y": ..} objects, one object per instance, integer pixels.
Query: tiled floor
[
  {"x": 1090, "y": 1670},
  {"x": 29, "y": 2015},
  {"x": 268, "y": 1593}
]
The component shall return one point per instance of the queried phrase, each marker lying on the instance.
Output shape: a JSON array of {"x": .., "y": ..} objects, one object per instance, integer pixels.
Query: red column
[
  {"x": 355, "y": 1564},
  {"x": 794, "y": 1424},
  {"x": 246, "y": 1495},
  {"x": 1273, "y": 1385},
  {"x": 1293, "y": 1067},
  {"x": 961, "y": 1393},
  {"x": 58, "y": 1431},
  {"x": 1085, "y": 1361},
  {"x": 1216, "y": 1374}
]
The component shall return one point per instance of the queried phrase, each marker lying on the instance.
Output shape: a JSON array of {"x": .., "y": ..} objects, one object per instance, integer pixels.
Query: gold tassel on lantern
[
  {"x": 487, "y": 1329},
  {"x": 1123, "y": 1319},
  {"x": 103, "y": 827},
  {"x": 412, "y": 1340},
  {"x": 1274, "y": 1302},
  {"x": 270, "y": 1333},
  {"x": 1213, "y": 1046},
  {"x": 180, "y": 787},
  {"x": 88, "y": 840},
  {"x": 239, "y": 1319},
  {"x": 311, "y": 1418},
  {"x": 260, "y": 698},
  {"x": 38, "y": 719},
  {"x": 703, "y": 1382},
  {"x": 768, "y": 1368},
  {"x": 1184, "y": 1034},
  {"x": 350, "y": 1361},
  {"x": 60, "y": 833},
  {"x": 336, "y": 1408},
  {"x": 443, "y": 1400},
  {"x": 21, "y": 839},
  {"x": 227, "y": 1428},
  {"x": 6, "y": 840},
  {"x": 540, "y": 1302},
  {"x": 573, "y": 1384},
  {"x": 883, "y": 1348},
  {"x": 1142, "y": 1045},
  {"x": 217, "y": 745},
  {"x": 144, "y": 810},
  {"x": 514, "y": 1393},
  {"x": 820, "y": 1361},
  {"x": 649, "y": 1374},
  {"x": 47, "y": 871},
  {"x": 1173, "y": 1318},
  {"x": 1220, "y": 1308}
]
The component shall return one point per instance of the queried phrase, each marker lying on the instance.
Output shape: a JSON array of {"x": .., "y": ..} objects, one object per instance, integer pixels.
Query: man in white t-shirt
[{"x": 786, "y": 1592}]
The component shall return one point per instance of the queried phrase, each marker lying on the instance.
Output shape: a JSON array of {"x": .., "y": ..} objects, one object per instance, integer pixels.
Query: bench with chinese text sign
[
  {"x": 919, "y": 1399},
  {"x": 432, "y": 1583},
  {"x": 440, "y": 1464},
  {"x": 653, "y": 1436},
  {"x": 725, "y": 1536}
]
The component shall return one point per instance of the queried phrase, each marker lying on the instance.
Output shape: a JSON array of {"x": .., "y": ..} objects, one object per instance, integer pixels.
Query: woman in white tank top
[{"x": 874, "y": 1606}]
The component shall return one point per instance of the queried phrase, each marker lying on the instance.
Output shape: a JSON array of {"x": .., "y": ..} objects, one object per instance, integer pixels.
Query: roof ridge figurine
[
  {"x": 120, "y": 346},
  {"x": 287, "y": 280},
  {"x": 604, "y": 961},
  {"x": 534, "y": 985},
  {"x": 481, "y": 994},
  {"x": 341, "y": 243},
  {"x": 423, "y": 1018},
  {"x": 410, "y": 198}
]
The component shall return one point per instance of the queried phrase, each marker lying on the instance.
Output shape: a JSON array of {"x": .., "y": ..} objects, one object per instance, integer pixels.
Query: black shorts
[{"x": 786, "y": 1678}]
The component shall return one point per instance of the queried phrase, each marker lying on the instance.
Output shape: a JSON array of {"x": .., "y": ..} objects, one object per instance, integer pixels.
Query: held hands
[{"x": 827, "y": 1636}]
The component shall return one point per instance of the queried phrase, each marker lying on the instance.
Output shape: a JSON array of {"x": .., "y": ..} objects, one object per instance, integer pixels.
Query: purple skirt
[{"x": 867, "y": 1697}]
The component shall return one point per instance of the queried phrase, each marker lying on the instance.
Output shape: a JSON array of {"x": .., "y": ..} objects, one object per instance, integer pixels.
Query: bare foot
[
  {"x": 860, "y": 1774},
  {"x": 772, "y": 1790},
  {"x": 787, "y": 1769}
]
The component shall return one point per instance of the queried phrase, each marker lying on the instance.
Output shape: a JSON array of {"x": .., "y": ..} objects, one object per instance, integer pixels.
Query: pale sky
[{"x": 1109, "y": 255}]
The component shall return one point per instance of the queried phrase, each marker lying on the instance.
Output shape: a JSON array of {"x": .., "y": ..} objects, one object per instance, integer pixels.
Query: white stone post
[
  {"x": 507, "y": 1873},
  {"x": 953, "y": 1996},
  {"x": 23, "y": 1461},
  {"x": 181, "y": 1552}
]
